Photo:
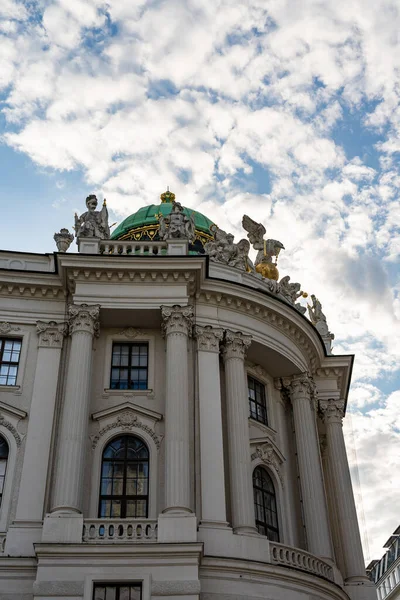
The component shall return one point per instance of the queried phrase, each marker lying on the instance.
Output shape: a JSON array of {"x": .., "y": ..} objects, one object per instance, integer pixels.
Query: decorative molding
[
  {"x": 127, "y": 406},
  {"x": 208, "y": 338},
  {"x": 175, "y": 588},
  {"x": 235, "y": 344},
  {"x": 257, "y": 369},
  {"x": 84, "y": 317},
  {"x": 6, "y": 327},
  {"x": 301, "y": 386},
  {"x": 51, "y": 334},
  {"x": 11, "y": 428},
  {"x": 270, "y": 455},
  {"x": 332, "y": 410},
  {"x": 58, "y": 588},
  {"x": 131, "y": 332},
  {"x": 281, "y": 323},
  {"x": 177, "y": 319},
  {"x": 126, "y": 421}
]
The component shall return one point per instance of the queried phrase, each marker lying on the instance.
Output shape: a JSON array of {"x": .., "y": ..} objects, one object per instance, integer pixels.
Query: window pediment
[{"x": 266, "y": 450}]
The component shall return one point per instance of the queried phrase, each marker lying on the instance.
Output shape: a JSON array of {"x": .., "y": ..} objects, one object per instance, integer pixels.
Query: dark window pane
[
  {"x": 265, "y": 504},
  {"x": 129, "y": 366},
  {"x": 124, "y": 483},
  {"x": 257, "y": 402}
]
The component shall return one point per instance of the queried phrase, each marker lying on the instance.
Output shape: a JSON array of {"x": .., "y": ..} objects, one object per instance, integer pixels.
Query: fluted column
[
  {"x": 213, "y": 507},
  {"x": 30, "y": 505},
  {"x": 242, "y": 502},
  {"x": 302, "y": 394},
  {"x": 83, "y": 324},
  {"x": 177, "y": 325},
  {"x": 333, "y": 413}
]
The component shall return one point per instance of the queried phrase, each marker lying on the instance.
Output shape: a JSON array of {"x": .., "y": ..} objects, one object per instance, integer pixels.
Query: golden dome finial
[{"x": 167, "y": 196}]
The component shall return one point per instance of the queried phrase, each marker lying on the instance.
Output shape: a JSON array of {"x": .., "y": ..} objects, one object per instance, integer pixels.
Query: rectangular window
[
  {"x": 257, "y": 402},
  {"x": 117, "y": 591},
  {"x": 10, "y": 351},
  {"x": 129, "y": 366}
]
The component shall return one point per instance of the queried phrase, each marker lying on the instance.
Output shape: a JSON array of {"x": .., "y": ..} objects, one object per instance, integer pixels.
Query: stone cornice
[
  {"x": 235, "y": 344},
  {"x": 279, "y": 321},
  {"x": 50, "y": 334},
  {"x": 332, "y": 410},
  {"x": 177, "y": 319},
  {"x": 208, "y": 338},
  {"x": 84, "y": 317}
]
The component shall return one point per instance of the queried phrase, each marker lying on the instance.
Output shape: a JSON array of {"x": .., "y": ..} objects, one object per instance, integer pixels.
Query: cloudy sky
[{"x": 285, "y": 110}]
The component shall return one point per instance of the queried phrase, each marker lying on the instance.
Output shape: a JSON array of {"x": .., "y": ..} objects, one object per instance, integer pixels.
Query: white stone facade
[{"x": 207, "y": 328}]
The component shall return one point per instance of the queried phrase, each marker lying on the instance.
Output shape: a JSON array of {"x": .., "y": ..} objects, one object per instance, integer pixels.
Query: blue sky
[{"x": 285, "y": 110}]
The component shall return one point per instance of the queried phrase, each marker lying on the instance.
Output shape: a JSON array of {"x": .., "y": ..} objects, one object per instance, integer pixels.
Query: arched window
[
  {"x": 3, "y": 464},
  {"x": 124, "y": 487},
  {"x": 265, "y": 504}
]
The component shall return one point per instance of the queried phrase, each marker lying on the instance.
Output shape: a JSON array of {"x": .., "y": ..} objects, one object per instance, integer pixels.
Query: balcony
[
  {"x": 111, "y": 531},
  {"x": 120, "y": 248},
  {"x": 287, "y": 556}
]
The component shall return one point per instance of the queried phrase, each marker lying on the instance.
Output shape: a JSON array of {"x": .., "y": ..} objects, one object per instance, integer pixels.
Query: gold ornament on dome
[{"x": 167, "y": 197}]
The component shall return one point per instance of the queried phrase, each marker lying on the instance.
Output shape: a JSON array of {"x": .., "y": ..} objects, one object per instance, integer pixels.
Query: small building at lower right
[{"x": 385, "y": 573}]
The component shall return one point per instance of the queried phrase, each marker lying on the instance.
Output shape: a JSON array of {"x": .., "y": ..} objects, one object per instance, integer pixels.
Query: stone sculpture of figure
[
  {"x": 315, "y": 311},
  {"x": 223, "y": 249},
  {"x": 266, "y": 248},
  {"x": 93, "y": 223},
  {"x": 177, "y": 225},
  {"x": 318, "y": 319},
  {"x": 292, "y": 292}
]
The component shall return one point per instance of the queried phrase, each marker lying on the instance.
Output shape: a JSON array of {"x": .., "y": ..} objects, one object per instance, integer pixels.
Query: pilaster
[{"x": 27, "y": 527}]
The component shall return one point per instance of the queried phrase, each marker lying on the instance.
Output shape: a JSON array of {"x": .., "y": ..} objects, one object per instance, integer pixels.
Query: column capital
[
  {"x": 51, "y": 334},
  {"x": 208, "y": 338},
  {"x": 177, "y": 319},
  {"x": 301, "y": 386},
  {"x": 332, "y": 410},
  {"x": 235, "y": 344},
  {"x": 84, "y": 317}
]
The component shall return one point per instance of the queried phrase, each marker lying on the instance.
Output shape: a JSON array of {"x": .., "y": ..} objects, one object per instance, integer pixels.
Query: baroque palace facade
[{"x": 170, "y": 420}]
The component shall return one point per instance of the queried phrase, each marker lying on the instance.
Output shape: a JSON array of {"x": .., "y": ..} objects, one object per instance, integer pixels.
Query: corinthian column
[
  {"x": 353, "y": 559},
  {"x": 83, "y": 324},
  {"x": 242, "y": 501},
  {"x": 27, "y": 527},
  {"x": 177, "y": 325},
  {"x": 213, "y": 509},
  {"x": 301, "y": 389}
]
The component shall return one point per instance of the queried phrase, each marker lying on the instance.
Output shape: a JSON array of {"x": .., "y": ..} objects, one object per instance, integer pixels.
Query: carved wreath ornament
[
  {"x": 267, "y": 453},
  {"x": 126, "y": 421}
]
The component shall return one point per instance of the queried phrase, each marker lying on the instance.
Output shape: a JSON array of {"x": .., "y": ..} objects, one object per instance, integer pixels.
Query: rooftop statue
[
  {"x": 318, "y": 319},
  {"x": 222, "y": 249},
  {"x": 63, "y": 239},
  {"x": 292, "y": 292},
  {"x": 93, "y": 223},
  {"x": 176, "y": 225},
  {"x": 266, "y": 248}
]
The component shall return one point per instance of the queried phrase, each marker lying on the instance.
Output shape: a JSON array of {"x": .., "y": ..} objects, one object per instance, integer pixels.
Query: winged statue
[{"x": 266, "y": 248}]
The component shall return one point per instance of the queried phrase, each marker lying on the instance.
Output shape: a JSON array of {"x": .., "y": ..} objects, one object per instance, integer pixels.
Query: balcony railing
[
  {"x": 119, "y": 248},
  {"x": 119, "y": 530},
  {"x": 299, "y": 559}
]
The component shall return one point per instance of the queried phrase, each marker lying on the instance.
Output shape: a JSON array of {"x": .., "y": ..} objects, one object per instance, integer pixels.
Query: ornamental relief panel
[
  {"x": 7, "y": 328},
  {"x": 269, "y": 454},
  {"x": 126, "y": 421}
]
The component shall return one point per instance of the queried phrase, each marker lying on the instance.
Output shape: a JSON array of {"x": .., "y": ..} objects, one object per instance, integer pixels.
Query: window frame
[
  {"x": 118, "y": 585},
  {"x": 3, "y": 341},
  {"x": 122, "y": 337},
  {"x": 130, "y": 366},
  {"x": 274, "y": 496},
  {"x": 123, "y": 498},
  {"x": 264, "y": 406}
]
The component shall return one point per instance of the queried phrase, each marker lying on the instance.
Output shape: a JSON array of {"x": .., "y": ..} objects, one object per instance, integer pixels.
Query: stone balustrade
[
  {"x": 108, "y": 531},
  {"x": 288, "y": 556},
  {"x": 122, "y": 248}
]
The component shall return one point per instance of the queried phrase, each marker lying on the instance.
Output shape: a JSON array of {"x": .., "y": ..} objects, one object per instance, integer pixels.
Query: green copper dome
[{"x": 143, "y": 225}]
